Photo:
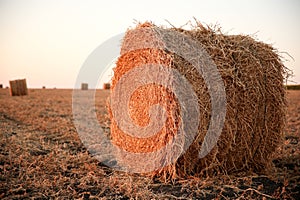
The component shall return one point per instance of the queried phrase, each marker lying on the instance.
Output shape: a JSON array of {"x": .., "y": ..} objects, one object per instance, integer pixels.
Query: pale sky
[{"x": 47, "y": 41}]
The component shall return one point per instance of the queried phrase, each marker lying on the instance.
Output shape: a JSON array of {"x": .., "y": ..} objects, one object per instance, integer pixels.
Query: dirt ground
[{"x": 42, "y": 157}]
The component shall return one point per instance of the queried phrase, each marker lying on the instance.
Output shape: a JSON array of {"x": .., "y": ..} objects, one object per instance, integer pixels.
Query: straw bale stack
[{"x": 253, "y": 75}]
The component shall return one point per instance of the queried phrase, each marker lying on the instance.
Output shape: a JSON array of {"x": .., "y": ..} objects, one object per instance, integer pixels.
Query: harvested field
[{"x": 41, "y": 156}]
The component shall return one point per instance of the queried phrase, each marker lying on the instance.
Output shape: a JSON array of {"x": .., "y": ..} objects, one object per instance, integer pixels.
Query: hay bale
[
  {"x": 84, "y": 86},
  {"x": 1, "y": 86},
  {"x": 18, "y": 87},
  {"x": 293, "y": 87},
  {"x": 106, "y": 86},
  {"x": 253, "y": 75}
]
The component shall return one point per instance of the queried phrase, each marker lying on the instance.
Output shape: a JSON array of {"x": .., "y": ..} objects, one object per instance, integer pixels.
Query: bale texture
[{"x": 253, "y": 75}]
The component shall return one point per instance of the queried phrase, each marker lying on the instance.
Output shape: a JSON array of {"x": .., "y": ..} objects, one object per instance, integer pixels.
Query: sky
[{"x": 47, "y": 41}]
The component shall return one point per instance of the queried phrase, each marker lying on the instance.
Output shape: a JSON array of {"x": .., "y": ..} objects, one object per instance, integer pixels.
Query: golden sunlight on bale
[{"x": 253, "y": 75}]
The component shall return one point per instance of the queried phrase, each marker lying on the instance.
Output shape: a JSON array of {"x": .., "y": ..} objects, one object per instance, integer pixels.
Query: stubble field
[{"x": 42, "y": 157}]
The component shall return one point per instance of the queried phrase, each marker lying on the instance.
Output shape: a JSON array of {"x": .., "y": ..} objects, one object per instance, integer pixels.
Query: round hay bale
[{"x": 253, "y": 76}]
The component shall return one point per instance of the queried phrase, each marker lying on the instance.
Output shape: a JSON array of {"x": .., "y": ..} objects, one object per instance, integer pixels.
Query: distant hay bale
[
  {"x": 106, "y": 86},
  {"x": 1, "y": 86},
  {"x": 293, "y": 87},
  {"x": 44, "y": 87},
  {"x": 253, "y": 75},
  {"x": 18, "y": 87},
  {"x": 84, "y": 86}
]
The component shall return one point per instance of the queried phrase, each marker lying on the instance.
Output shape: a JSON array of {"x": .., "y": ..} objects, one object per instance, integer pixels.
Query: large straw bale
[{"x": 252, "y": 73}]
